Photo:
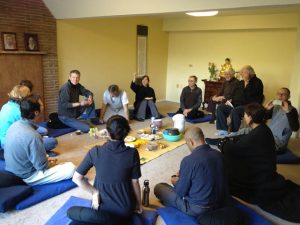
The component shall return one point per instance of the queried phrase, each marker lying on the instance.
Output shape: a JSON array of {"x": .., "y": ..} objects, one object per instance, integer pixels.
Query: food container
[
  {"x": 151, "y": 146},
  {"x": 158, "y": 123}
]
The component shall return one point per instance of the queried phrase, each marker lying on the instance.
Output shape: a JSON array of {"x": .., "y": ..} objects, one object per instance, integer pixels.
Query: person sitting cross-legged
[
  {"x": 200, "y": 185},
  {"x": 144, "y": 99},
  {"x": 191, "y": 99},
  {"x": 72, "y": 112},
  {"x": 116, "y": 193},
  {"x": 24, "y": 152},
  {"x": 10, "y": 113}
]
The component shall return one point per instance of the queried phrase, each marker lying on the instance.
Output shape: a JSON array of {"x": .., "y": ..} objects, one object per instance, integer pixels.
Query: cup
[{"x": 158, "y": 123}]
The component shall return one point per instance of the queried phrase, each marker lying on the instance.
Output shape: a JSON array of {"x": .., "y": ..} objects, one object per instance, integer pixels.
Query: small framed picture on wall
[
  {"x": 9, "y": 41},
  {"x": 31, "y": 42}
]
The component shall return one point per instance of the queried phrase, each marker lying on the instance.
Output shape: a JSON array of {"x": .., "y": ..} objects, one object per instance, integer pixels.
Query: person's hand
[
  {"x": 134, "y": 77},
  {"x": 83, "y": 102},
  {"x": 285, "y": 106},
  {"x": 186, "y": 111},
  {"x": 139, "y": 209},
  {"x": 269, "y": 105},
  {"x": 174, "y": 179},
  {"x": 95, "y": 200},
  {"x": 221, "y": 98},
  {"x": 101, "y": 121},
  {"x": 52, "y": 162}
]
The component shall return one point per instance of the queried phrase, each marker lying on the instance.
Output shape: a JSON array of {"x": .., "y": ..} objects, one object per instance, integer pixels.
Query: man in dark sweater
[
  {"x": 225, "y": 93},
  {"x": 249, "y": 90},
  {"x": 191, "y": 99},
  {"x": 71, "y": 111},
  {"x": 200, "y": 185}
]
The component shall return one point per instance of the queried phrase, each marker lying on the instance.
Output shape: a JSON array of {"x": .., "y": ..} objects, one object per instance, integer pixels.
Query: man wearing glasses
[{"x": 284, "y": 118}]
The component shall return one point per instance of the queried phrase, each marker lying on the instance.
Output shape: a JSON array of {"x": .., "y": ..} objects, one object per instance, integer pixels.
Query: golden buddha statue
[{"x": 226, "y": 66}]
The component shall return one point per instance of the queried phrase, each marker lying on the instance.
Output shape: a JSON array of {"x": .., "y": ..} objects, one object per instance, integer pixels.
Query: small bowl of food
[
  {"x": 151, "y": 146},
  {"x": 171, "y": 131}
]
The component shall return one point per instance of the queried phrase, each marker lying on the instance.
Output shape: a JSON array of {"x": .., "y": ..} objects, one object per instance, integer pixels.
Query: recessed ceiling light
[{"x": 204, "y": 13}]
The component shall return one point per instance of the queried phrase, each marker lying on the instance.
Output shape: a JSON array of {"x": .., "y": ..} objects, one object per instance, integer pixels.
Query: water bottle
[
  {"x": 146, "y": 192},
  {"x": 152, "y": 126}
]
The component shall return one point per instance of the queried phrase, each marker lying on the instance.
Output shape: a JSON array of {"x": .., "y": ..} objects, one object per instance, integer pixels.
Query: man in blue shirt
[{"x": 200, "y": 185}]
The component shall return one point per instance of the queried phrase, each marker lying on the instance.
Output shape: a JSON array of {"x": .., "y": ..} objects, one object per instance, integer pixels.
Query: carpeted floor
[{"x": 71, "y": 148}]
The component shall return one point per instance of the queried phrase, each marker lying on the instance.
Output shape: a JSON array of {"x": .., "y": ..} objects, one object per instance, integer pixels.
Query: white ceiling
[{"x": 73, "y": 9}]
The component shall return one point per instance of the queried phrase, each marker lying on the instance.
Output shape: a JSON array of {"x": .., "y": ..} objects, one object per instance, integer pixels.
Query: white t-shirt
[{"x": 115, "y": 102}]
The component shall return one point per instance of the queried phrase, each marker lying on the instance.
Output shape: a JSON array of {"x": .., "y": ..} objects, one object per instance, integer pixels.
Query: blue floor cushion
[
  {"x": 45, "y": 191},
  {"x": 172, "y": 216},
  {"x": 60, "y": 217},
  {"x": 56, "y": 132},
  {"x": 206, "y": 118},
  {"x": 11, "y": 196},
  {"x": 287, "y": 157}
]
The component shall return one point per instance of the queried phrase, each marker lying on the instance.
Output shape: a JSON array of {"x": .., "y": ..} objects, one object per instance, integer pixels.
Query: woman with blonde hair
[{"x": 10, "y": 113}]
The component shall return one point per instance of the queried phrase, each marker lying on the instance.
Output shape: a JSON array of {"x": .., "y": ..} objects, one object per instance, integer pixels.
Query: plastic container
[
  {"x": 172, "y": 138},
  {"x": 179, "y": 122}
]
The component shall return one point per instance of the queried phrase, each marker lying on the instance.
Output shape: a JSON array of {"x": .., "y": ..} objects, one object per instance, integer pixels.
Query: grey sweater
[
  {"x": 24, "y": 151},
  {"x": 282, "y": 125}
]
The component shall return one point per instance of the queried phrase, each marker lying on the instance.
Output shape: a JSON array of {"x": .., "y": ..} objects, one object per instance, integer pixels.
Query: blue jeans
[
  {"x": 75, "y": 123},
  {"x": 167, "y": 195},
  {"x": 222, "y": 112},
  {"x": 236, "y": 115},
  {"x": 142, "y": 109},
  {"x": 49, "y": 143},
  {"x": 80, "y": 123}
]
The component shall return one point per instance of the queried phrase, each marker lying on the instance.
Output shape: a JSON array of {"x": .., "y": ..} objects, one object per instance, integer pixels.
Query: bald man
[{"x": 200, "y": 185}]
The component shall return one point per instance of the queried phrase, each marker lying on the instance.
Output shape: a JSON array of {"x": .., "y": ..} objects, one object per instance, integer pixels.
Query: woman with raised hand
[{"x": 144, "y": 99}]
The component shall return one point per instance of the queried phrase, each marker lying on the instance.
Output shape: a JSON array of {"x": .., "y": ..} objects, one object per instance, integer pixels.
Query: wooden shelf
[{"x": 22, "y": 53}]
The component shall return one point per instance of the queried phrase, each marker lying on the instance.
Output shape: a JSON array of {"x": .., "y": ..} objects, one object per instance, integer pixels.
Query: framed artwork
[
  {"x": 31, "y": 42},
  {"x": 9, "y": 41}
]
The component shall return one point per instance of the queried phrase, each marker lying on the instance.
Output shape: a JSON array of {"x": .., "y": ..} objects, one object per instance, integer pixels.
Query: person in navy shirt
[
  {"x": 116, "y": 191},
  {"x": 200, "y": 185}
]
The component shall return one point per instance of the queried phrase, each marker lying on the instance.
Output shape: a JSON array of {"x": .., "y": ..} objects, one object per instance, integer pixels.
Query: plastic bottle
[{"x": 146, "y": 192}]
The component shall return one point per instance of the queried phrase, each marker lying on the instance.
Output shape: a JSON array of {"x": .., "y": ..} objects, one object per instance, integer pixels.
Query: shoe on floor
[
  {"x": 221, "y": 133},
  {"x": 231, "y": 134},
  {"x": 139, "y": 119},
  {"x": 212, "y": 141},
  {"x": 52, "y": 154}
]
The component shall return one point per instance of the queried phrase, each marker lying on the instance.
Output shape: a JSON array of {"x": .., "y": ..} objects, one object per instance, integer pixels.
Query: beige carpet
[{"x": 71, "y": 147}]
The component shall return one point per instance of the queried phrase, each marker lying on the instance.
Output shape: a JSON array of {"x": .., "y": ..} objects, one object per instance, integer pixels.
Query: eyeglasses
[{"x": 191, "y": 81}]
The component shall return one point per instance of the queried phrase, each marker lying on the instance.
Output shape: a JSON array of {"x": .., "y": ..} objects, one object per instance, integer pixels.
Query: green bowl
[{"x": 172, "y": 138}]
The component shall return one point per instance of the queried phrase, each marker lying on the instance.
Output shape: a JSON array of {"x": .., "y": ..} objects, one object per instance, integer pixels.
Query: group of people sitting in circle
[{"x": 244, "y": 167}]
